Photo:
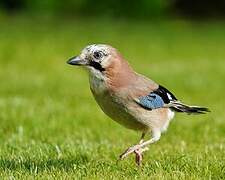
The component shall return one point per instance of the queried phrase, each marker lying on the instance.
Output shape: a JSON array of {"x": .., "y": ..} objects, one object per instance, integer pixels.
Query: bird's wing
[{"x": 158, "y": 98}]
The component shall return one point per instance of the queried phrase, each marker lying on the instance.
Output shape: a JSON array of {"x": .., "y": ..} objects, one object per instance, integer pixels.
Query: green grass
[{"x": 51, "y": 127}]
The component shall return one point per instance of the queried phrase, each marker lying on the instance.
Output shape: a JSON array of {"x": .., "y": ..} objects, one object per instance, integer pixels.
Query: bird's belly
[{"x": 119, "y": 112}]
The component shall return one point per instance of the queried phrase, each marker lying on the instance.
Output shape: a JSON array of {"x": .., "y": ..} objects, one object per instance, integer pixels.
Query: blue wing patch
[
  {"x": 151, "y": 101},
  {"x": 156, "y": 99}
]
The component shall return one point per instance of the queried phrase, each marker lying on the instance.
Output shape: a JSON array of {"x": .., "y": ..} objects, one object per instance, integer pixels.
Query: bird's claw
[
  {"x": 138, "y": 153},
  {"x": 128, "y": 151}
]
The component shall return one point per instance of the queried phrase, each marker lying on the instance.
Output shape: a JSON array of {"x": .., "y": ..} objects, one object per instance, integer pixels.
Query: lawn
[{"x": 51, "y": 127}]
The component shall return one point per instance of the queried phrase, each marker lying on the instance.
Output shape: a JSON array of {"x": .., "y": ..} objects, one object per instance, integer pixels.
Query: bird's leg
[
  {"x": 142, "y": 138},
  {"x": 140, "y": 148}
]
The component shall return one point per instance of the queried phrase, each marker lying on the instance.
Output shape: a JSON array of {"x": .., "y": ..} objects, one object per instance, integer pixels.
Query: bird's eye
[{"x": 98, "y": 55}]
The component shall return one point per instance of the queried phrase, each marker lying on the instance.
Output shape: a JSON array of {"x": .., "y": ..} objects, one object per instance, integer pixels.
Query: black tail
[{"x": 179, "y": 107}]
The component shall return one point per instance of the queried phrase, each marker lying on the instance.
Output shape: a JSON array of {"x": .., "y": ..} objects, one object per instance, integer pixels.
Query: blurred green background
[
  {"x": 50, "y": 125},
  {"x": 129, "y": 9}
]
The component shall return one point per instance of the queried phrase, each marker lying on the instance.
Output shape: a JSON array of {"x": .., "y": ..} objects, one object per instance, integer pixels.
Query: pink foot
[{"x": 138, "y": 153}]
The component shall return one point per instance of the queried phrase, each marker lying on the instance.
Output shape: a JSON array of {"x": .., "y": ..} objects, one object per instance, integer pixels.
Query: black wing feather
[{"x": 165, "y": 94}]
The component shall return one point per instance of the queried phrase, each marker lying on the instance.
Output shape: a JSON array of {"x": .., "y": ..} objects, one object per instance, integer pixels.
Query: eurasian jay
[{"x": 129, "y": 98}]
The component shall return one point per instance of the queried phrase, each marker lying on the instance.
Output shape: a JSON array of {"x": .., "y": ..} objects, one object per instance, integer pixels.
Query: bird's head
[
  {"x": 105, "y": 63},
  {"x": 96, "y": 58}
]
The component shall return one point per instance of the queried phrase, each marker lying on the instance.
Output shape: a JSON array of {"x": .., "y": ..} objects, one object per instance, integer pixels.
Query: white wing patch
[{"x": 169, "y": 96}]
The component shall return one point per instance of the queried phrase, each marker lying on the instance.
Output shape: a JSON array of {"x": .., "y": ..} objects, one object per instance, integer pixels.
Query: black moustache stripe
[{"x": 97, "y": 66}]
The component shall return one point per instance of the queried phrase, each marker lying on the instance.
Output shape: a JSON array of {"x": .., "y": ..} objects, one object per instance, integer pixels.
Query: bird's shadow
[{"x": 32, "y": 165}]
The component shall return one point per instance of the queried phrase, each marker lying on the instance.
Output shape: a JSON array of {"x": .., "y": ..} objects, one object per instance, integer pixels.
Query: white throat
[{"x": 97, "y": 81}]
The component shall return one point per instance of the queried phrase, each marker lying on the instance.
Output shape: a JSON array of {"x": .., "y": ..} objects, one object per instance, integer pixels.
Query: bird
[{"x": 129, "y": 98}]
